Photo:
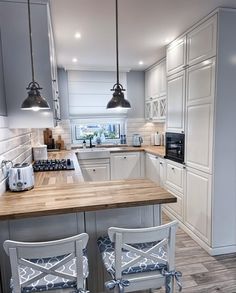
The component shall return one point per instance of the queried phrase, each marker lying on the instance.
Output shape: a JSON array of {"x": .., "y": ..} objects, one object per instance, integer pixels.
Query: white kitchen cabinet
[
  {"x": 125, "y": 165},
  {"x": 176, "y": 102},
  {"x": 175, "y": 176},
  {"x": 162, "y": 163},
  {"x": 148, "y": 109},
  {"x": 16, "y": 55},
  {"x": 95, "y": 170},
  {"x": 176, "y": 56},
  {"x": 198, "y": 203},
  {"x": 155, "y": 109},
  {"x": 200, "y": 115},
  {"x": 201, "y": 41},
  {"x": 155, "y": 92},
  {"x": 176, "y": 209},
  {"x": 152, "y": 164}
]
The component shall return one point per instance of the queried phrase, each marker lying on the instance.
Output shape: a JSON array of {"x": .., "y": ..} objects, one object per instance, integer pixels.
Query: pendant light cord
[
  {"x": 117, "y": 45},
  {"x": 31, "y": 46}
]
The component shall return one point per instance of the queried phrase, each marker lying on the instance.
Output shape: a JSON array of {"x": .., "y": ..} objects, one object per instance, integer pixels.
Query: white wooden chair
[
  {"x": 139, "y": 259},
  {"x": 53, "y": 265}
]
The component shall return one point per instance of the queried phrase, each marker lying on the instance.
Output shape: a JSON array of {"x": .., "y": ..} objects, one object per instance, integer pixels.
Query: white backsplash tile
[{"x": 15, "y": 145}]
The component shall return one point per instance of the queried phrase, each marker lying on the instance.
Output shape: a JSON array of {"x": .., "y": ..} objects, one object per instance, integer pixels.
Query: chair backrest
[
  {"x": 160, "y": 235},
  {"x": 23, "y": 253}
]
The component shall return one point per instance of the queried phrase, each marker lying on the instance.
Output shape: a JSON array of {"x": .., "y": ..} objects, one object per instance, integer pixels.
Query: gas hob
[{"x": 53, "y": 165}]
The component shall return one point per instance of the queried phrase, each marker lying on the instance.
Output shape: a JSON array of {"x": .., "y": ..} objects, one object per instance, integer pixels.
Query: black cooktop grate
[{"x": 53, "y": 165}]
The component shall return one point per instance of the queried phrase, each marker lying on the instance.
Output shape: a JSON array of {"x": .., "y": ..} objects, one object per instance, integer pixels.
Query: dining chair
[
  {"x": 139, "y": 259},
  {"x": 59, "y": 265}
]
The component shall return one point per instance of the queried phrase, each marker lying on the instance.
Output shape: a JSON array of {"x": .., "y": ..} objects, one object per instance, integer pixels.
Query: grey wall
[
  {"x": 63, "y": 92},
  {"x": 135, "y": 93},
  {"x": 3, "y": 108}
]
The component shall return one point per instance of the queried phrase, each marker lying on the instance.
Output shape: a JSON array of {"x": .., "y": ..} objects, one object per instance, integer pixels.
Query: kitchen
[{"x": 190, "y": 76}]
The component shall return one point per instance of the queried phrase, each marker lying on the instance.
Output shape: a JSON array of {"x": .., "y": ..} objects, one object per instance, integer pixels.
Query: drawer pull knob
[
  {"x": 124, "y": 157},
  {"x": 94, "y": 170},
  {"x": 173, "y": 168},
  {"x": 160, "y": 163}
]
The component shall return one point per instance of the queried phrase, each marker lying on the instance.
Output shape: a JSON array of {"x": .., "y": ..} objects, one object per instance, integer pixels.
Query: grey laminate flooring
[{"x": 203, "y": 273}]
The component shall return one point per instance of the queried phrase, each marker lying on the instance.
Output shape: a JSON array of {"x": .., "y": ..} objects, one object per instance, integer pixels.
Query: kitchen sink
[{"x": 93, "y": 153}]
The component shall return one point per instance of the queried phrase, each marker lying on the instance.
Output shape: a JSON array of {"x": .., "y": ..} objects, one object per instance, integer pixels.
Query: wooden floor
[{"x": 203, "y": 273}]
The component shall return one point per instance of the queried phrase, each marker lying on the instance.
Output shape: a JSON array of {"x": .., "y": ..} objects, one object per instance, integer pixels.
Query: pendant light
[
  {"x": 118, "y": 100},
  {"x": 34, "y": 101}
]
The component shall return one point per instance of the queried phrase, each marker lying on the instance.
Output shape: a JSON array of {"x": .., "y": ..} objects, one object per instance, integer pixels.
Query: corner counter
[{"x": 62, "y": 205}]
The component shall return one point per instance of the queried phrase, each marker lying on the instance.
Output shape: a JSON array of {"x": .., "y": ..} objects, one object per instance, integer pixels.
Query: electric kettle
[{"x": 137, "y": 140}]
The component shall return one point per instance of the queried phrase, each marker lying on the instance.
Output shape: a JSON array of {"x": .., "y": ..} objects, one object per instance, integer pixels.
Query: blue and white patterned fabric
[
  {"x": 106, "y": 248},
  {"x": 50, "y": 282}
]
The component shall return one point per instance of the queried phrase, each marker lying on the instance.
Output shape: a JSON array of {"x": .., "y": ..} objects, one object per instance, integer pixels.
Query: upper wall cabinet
[
  {"x": 176, "y": 56},
  {"x": 197, "y": 45},
  {"x": 201, "y": 42},
  {"x": 17, "y": 66},
  {"x": 155, "y": 92}
]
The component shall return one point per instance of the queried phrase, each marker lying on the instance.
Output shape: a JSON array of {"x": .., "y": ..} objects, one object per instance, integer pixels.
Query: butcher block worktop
[{"x": 60, "y": 192}]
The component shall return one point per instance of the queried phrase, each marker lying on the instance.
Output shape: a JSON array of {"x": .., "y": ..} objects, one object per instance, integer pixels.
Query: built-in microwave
[{"x": 175, "y": 147}]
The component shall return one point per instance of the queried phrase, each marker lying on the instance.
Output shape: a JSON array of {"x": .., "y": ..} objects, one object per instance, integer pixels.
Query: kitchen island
[{"x": 62, "y": 204}]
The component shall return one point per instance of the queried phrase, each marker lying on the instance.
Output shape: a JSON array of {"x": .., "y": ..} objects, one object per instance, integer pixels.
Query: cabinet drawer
[{"x": 175, "y": 176}]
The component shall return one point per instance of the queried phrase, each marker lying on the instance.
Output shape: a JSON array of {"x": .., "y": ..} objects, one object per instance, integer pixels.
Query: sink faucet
[{"x": 90, "y": 143}]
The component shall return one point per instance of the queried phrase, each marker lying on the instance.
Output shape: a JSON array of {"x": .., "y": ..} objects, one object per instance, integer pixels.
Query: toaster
[{"x": 21, "y": 177}]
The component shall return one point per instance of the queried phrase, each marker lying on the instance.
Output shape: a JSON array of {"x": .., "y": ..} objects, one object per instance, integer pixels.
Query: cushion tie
[
  {"x": 176, "y": 274},
  {"x": 119, "y": 283}
]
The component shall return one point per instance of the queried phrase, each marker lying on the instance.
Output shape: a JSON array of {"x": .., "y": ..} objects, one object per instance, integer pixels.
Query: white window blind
[{"x": 89, "y": 92}]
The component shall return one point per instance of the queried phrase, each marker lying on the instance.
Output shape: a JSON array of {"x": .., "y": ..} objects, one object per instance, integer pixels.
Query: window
[{"x": 103, "y": 131}]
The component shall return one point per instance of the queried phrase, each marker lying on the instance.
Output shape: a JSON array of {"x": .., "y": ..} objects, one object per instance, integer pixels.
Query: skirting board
[{"x": 210, "y": 250}]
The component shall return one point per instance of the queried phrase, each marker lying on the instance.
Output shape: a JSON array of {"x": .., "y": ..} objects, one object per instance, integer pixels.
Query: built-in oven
[{"x": 175, "y": 147}]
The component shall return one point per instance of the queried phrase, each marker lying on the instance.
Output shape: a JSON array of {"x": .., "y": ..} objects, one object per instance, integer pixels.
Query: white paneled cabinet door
[
  {"x": 200, "y": 115},
  {"x": 201, "y": 42},
  {"x": 125, "y": 166},
  {"x": 148, "y": 109},
  {"x": 96, "y": 173},
  {"x": 176, "y": 56},
  {"x": 198, "y": 203},
  {"x": 176, "y": 102},
  {"x": 152, "y": 168},
  {"x": 162, "y": 170}
]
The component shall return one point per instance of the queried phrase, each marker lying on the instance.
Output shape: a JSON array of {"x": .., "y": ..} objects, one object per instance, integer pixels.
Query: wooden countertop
[
  {"x": 81, "y": 197},
  {"x": 59, "y": 192},
  {"x": 155, "y": 150}
]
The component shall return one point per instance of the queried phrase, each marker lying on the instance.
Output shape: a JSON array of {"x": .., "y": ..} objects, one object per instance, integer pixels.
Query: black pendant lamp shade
[
  {"x": 34, "y": 101},
  {"x": 118, "y": 100}
]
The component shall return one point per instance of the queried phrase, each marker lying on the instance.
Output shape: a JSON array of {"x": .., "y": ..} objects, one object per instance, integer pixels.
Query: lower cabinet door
[
  {"x": 96, "y": 173},
  {"x": 176, "y": 208},
  {"x": 152, "y": 168},
  {"x": 198, "y": 203},
  {"x": 126, "y": 166}
]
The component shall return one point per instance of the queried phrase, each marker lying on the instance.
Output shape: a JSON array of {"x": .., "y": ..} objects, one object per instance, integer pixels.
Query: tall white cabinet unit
[
  {"x": 17, "y": 66},
  {"x": 206, "y": 56}
]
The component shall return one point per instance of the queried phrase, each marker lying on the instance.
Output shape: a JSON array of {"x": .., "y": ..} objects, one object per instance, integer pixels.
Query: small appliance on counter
[
  {"x": 40, "y": 152},
  {"x": 157, "y": 139},
  {"x": 137, "y": 140},
  {"x": 21, "y": 177},
  {"x": 53, "y": 165}
]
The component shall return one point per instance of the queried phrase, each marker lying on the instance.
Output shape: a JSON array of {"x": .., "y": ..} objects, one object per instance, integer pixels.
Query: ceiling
[{"x": 145, "y": 27}]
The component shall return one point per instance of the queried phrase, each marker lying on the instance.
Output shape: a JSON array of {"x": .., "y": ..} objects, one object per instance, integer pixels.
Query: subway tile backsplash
[{"x": 15, "y": 145}]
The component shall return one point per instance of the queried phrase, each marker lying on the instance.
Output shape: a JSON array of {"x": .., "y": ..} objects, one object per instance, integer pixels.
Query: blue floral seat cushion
[
  {"x": 50, "y": 282},
  {"x": 106, "y": 248}
]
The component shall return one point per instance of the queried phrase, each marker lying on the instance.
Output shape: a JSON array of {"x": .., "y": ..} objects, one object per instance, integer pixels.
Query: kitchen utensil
[{"x": 137, "y": 140}]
